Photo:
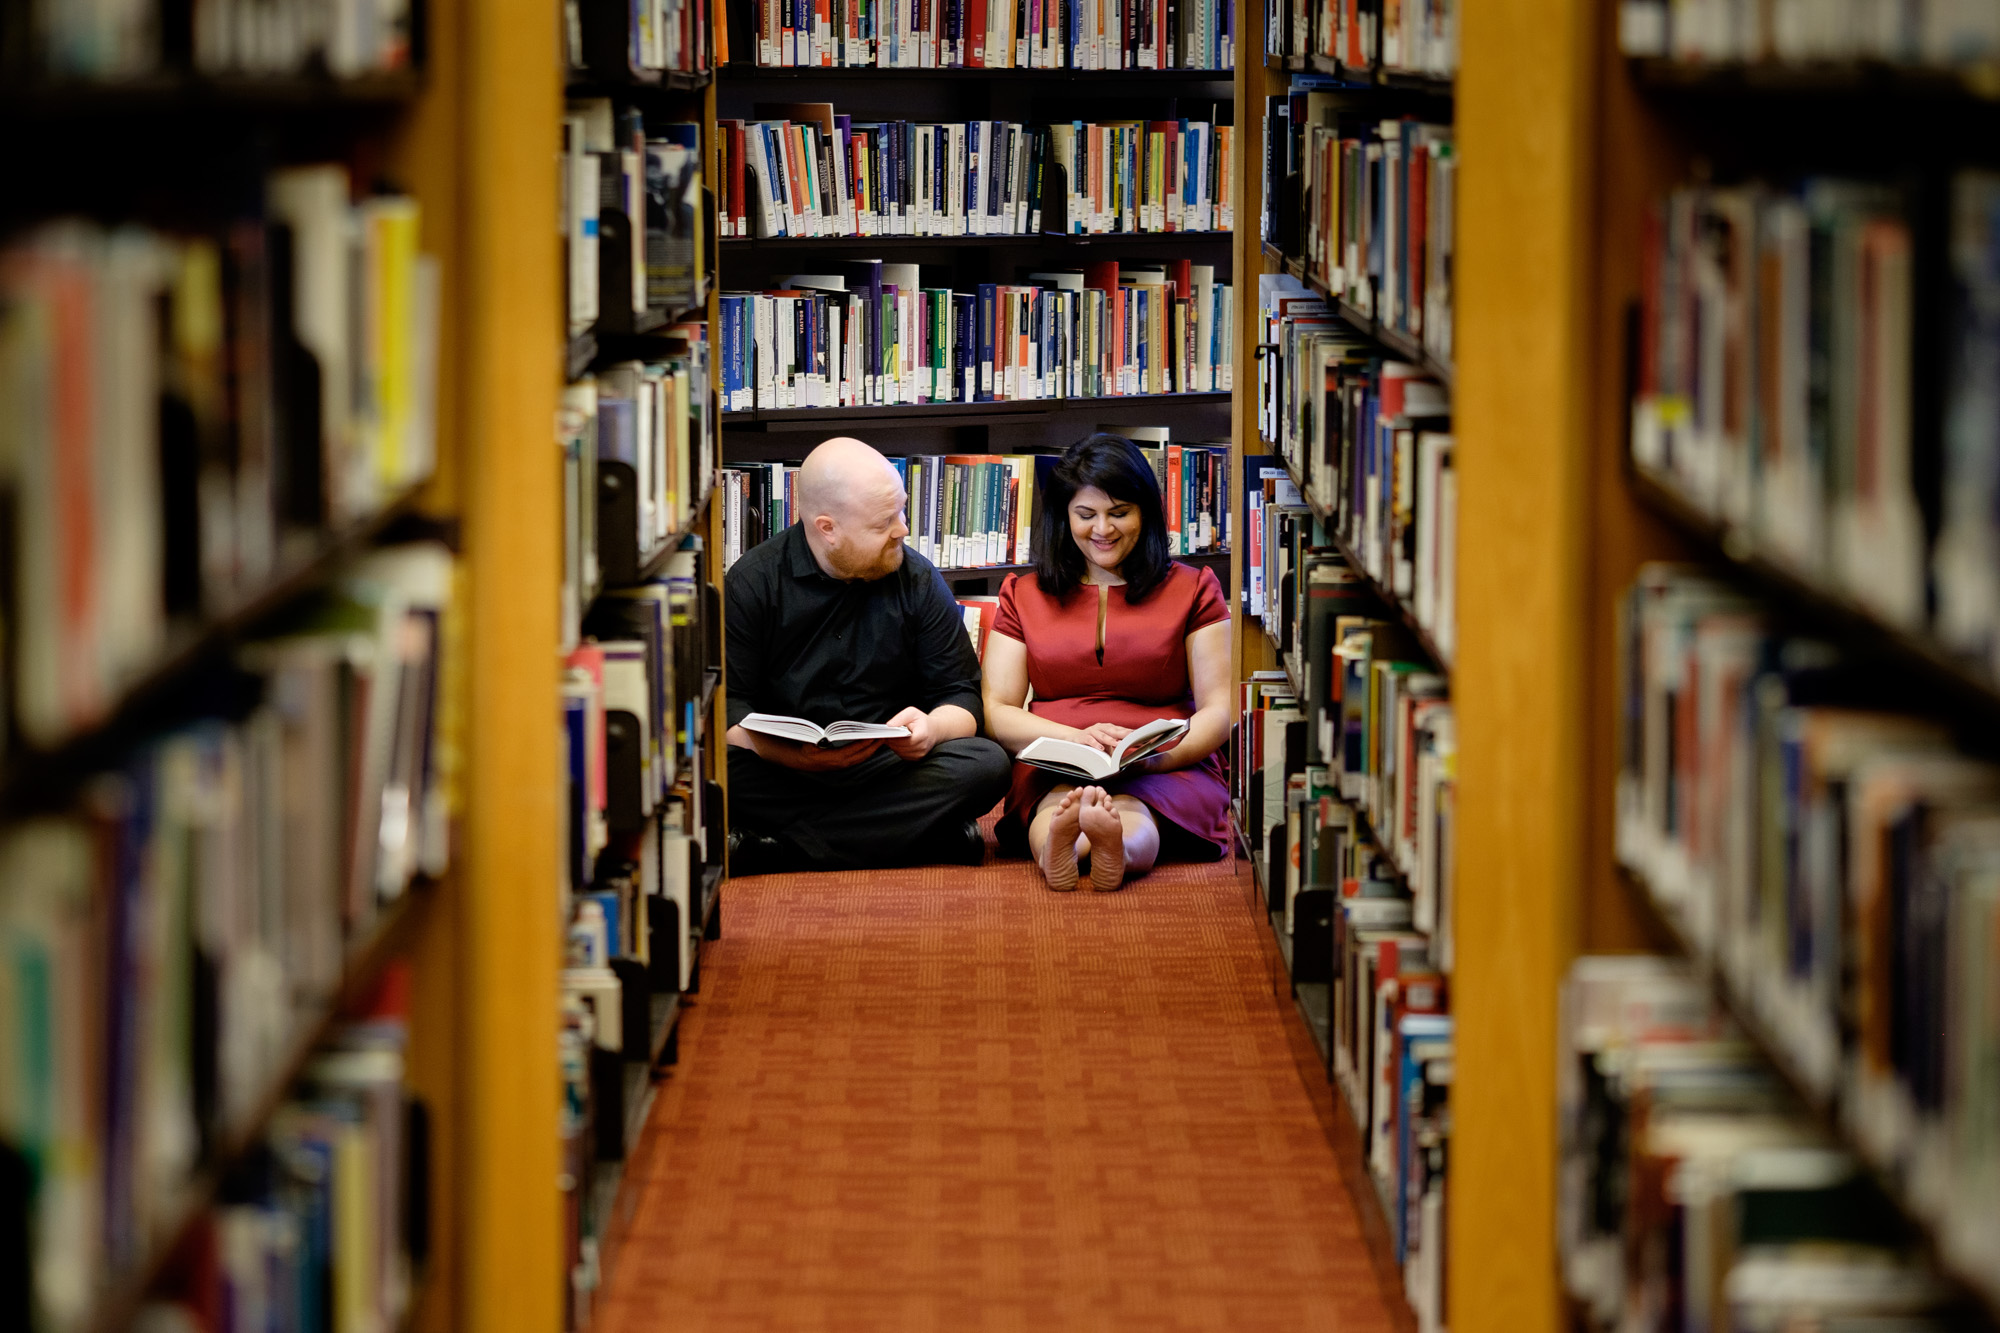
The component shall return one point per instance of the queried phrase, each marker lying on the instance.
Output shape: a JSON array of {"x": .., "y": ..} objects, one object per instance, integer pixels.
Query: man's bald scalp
[{"x": 835, "y": 474}]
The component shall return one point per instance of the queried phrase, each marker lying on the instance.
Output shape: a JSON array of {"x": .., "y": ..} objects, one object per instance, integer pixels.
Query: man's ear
[{"x": 823, "y": 524}]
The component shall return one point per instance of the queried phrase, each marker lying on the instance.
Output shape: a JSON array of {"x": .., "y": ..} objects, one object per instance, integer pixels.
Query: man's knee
[{"x": 977, "y": 763}]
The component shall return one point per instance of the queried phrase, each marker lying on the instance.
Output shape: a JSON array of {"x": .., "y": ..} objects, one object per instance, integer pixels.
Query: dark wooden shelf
[
  {"x": 697, "y": 522},
  {"x": 184, "y": 93},
  {"x": 947, "y": 411},
  {"x": 589, "y": 83},
  {"x": 382, "y": 941},
  {"x": 736, "y": 73},
  {"x": 1037, "y": 240},
  {"x": 33, "y": 779},
  {"x": 1956, "y": 681},
  {"x": 586, "y": 351},
  {"x": 1981, "y": 1288},
  {"x": 1402, "y": 344},
  {"x": 1863, "y": 80},
  {"x": 965, "y": 571},
  {"x": 1387, "y": 80}
]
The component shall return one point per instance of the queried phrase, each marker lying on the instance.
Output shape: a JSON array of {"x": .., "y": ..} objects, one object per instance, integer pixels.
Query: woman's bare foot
[
  {"x": 1106, "y": 831},
  {"x": 1059, "y": 856}
]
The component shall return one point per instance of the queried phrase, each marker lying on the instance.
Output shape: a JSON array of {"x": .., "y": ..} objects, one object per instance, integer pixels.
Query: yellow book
[
  {"x": 357, "y": 1306},
  {"x": 389, "y": 230}
]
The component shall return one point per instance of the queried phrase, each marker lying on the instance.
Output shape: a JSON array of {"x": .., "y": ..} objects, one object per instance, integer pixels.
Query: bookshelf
[
  {"x": 1345, "y": 601},
  {"x": 968, "y": 424},
  {"x": 436, "y": 951},
  {"x": 640, "y": 640},
  {"x": 1570, "y": 505}
]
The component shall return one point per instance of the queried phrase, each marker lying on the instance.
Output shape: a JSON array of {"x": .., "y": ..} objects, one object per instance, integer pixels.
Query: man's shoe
[
  {"x": 955, "y": 845},
  {"x": 754, "y": 853}
]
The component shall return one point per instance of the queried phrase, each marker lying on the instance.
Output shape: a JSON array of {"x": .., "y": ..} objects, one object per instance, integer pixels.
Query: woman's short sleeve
[
  {"x": 1007, "y": 620},
  {"x": 1210, "y": 606}
]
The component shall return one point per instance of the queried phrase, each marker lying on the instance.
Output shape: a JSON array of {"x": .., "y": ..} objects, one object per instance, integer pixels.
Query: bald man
[{"x": 835, "y": 620}]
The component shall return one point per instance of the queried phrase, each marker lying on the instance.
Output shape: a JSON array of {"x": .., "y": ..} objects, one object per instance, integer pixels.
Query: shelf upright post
[
  {"x": 1525, "y": 234},
  {"x": 483, "y": 146}
]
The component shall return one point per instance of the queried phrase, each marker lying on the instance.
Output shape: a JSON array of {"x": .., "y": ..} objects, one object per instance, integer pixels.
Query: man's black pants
[{"x": 881, "y": 812}]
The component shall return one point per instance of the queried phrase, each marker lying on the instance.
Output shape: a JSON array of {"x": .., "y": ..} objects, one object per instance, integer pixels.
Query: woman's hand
[{"x": 1105, "y": 735}]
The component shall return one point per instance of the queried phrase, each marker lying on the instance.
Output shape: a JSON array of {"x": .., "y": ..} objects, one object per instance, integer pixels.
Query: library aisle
[{"x": 940, "y": 1098}]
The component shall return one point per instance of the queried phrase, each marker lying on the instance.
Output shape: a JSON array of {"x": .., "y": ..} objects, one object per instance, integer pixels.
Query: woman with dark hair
[{"x": 1110, "y": 633}]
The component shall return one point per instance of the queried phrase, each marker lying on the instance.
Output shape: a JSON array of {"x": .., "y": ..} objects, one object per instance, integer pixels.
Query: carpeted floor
[{"x": 950, "y": 1099}]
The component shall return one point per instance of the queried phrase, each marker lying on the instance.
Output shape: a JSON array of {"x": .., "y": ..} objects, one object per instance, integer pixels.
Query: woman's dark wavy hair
[{"x": 1114, "y": 465}]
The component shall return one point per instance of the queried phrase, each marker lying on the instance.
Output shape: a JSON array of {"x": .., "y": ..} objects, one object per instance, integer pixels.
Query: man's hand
[
  {"x": 1105, "y": 735},
  {"x": 812, "y": 759},
  {"x": 922, "y": 739},
  {"x": 794, "y": 754}
]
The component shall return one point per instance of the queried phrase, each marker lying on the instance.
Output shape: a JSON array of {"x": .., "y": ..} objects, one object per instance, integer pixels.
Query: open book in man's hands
[
  {"x": 826, "y": 737},
  {"x": 1083, "y": 761}
]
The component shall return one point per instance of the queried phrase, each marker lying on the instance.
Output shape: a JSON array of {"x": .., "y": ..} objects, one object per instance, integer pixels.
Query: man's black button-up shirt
[{"x": 802, "y": 644}]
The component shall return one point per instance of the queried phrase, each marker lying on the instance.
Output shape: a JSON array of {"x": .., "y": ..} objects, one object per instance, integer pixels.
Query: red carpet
[{"x": 950, "y": 1099}]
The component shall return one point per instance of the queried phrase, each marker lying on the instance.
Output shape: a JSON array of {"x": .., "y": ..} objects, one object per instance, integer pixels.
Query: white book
[
  {"x": 1083, "y": 761},
  {"x": 765, "y": 308},
  {"x": 765, "y": 212},
  {"x": 581, "y": 180},
  {"x": 828, "y": 737}
]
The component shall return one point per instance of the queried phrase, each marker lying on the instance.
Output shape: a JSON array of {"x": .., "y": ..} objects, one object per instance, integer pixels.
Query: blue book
[
  {"x": 613, "y": 934},
  {"x": 732, "y": 350},
  {"x": 575, "y": 719},
  {"x": 989, "y": 295},
  {"x": 1420, "y": 1038},
  {"x": 617, "y": 430},
  {"x": 1141, "y": 341}
]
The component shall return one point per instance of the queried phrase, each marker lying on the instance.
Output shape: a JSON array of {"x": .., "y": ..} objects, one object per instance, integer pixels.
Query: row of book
[
  {"x": 642, "y": 832},
  {"x": 876, "y": 335},
  {"x": 638, "y": 446},
  {"x": 631, "y": 698},
  {"x": 998, "y": 34},
  {"x": 325, "y": 1226},
  {"x": 127, "y": 39},
  {"x": 1783, "y": 390},
  {"x": 645, "y": 37},
  {"x": 971, "y": 511},
  {"x": 634, "y": 217},
  {"x": 1924, "y": 34},
  {"x": 1375, "y": 711},
  {"x": 1695, "y": 1192},
  {"x": 1369, "y": 957},
  {"x": 1837, "y": 863},
  {"x": 167, "y": 944},
  {"x": 165, "y": 468},
  {"x": 1375, "y": 207},
  {"x": 1371, "y": 440},
  {"x": 804, "y": 171},
  {"x": 1418, "y": 37}
]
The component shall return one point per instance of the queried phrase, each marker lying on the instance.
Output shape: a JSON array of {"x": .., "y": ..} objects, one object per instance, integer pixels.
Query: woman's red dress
[{"x": 1144, "y": 675}]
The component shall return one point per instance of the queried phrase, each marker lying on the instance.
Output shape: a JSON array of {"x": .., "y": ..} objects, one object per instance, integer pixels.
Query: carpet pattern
[{"x": 950, "y": 1099}]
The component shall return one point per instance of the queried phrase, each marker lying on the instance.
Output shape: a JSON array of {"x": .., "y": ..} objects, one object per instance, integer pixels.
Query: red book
[
  {"x": 1176, "y": 535},
  {"x": 1180, "y": 275},
  {"x": 975, "y": 22}
]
